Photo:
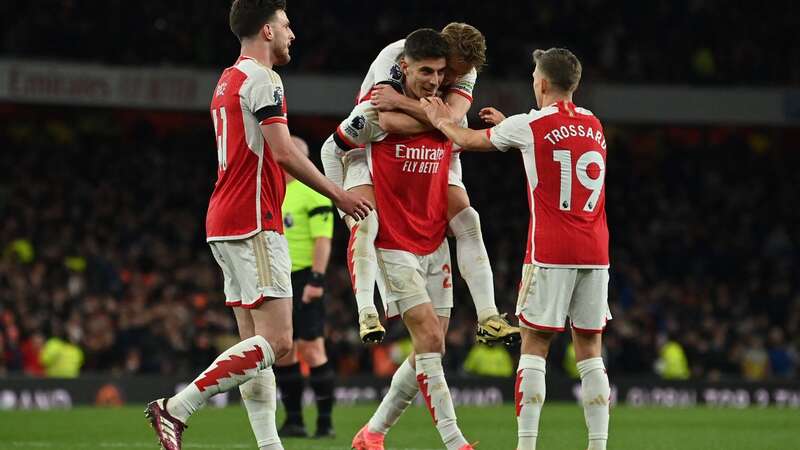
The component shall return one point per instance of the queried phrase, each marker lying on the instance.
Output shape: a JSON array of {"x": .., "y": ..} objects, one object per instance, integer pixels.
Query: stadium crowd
[
  {"x": 695, "y": 41},
  {"x": 104, "y": 263}
]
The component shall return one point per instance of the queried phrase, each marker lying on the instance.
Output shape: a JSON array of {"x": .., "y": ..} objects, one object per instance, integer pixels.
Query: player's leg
[
  {"x": 311, "y": 347},
  {"x": 428, "y": 341},
  {"x": 427, "y": 337},
  {"x": 259, "y": 393},
  {"x": 256, "y": 272},
  {"x": 542, "y": 305},
  {"x": 529, "y": 389},
  {"x": 322, "y": 382},
  {"x": 588, "y": 315},
  {"x": 287, "y": 369},
  {"x": 402, "y": 390},
  {"x": 361, "y": 258},
  {"x": 473, "y": 260}
]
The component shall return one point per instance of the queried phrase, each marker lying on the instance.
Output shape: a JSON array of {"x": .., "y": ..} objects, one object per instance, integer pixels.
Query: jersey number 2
[
  {"x": 221, "y": 132},
  {"x": 564, "y": 158}
]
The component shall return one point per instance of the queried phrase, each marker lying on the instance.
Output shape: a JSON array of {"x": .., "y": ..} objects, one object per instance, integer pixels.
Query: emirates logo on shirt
[{"x": 422, "y": 159}]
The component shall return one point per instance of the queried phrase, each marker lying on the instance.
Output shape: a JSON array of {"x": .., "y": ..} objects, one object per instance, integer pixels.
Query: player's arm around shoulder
[
  {"x": 440, "y": 114},
  {"x": 299, "y": 166}
]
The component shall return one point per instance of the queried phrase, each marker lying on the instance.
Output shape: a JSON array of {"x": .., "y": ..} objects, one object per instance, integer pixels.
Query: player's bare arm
[
  {"x": 439, "y": 114},
  {"x": 300, "y": 167},
  {"x": 386, "y": 98}
]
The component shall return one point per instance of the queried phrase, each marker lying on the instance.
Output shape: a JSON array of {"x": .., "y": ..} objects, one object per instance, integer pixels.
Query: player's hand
[
  {"x": 312, "y": 293},
  {"x": 353, "y": 204},
  {"x": 491, "y": 115},
  {"x": 437, "y": 111},
  {"x": 385, "y": 98}
]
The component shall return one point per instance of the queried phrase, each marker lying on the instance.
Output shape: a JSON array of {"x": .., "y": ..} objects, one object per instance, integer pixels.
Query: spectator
[{"x": 60, "y": 356}]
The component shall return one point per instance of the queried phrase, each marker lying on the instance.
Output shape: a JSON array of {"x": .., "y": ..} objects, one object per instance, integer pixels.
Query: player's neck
[
  {"x": 549, "y": 100},
  {"x": 258, "y": 51}
]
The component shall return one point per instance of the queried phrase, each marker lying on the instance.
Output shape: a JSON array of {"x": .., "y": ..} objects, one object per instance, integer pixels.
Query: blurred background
[{"x": 108, "y": 161}]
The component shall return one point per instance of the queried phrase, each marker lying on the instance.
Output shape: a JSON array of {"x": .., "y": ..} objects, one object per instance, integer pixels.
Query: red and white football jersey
[
  {"x": 410, "y": 175},
  {"x": 564, "y": 153},
  {"x": 250, "y": 185},
  {"x": 386, "y": 69}
]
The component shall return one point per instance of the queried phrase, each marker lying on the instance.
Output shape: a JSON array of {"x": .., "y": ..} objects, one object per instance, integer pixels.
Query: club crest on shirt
[
  {"x": 288, "y": 220},
  {"x": 395, "y": 73},
  {"x": 221, "y": 88}
]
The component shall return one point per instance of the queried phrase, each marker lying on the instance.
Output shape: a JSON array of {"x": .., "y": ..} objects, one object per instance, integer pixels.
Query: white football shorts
[
  {"x": 255, "y": 269},
  {"x": 410, "y": 280},
  {"x": 547, "y": 296}
]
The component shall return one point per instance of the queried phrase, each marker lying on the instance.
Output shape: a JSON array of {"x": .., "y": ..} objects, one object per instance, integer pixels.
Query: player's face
[
  {"x": 423, "y": 77},
  {"x": 282, "y": 37},
  {"x": 537, "y": 87},
  {"x": 456, "y": 68}
]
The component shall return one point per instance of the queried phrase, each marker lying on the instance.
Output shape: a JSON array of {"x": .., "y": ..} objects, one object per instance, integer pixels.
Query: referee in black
[{"x": 308, "y": 227}]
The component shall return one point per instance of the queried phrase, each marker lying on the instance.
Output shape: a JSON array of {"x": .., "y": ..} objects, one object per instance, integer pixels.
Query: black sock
[
  {"x": 322, "y": 381},
  {"x": 290, "y": 382}
]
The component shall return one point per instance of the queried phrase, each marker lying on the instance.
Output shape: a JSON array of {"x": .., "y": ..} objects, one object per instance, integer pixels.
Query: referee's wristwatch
[{"x": 316, "y": 279}]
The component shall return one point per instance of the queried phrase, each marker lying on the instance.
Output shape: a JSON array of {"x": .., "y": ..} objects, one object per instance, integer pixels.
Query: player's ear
[
  {"x": 266, "y": 31},
  {"x": 404, "y": 66}
]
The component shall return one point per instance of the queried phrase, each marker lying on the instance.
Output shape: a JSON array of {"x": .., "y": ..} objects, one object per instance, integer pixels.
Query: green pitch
[{"x": 495, "y": 427}]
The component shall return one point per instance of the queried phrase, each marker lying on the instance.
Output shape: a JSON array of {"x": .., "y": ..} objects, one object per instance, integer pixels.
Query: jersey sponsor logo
[
  {"x": 288, "y": 220},
  {"x": 422, "y": 159},
  {"x": 395, "y": 72},
  {"x": 355, "y": 126}
]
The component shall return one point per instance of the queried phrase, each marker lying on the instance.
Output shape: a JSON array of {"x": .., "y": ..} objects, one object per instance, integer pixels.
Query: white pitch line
[{"x": 88, "y": 445}]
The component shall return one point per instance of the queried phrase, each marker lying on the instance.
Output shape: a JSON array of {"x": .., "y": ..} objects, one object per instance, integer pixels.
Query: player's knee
[
  {"x": 312, "y": 352},
  {"x": 466, "y": 224},
  {"x": 431, "y": 340},
  {"x": 281, "y": 344},
  {"x": 587, "y": 345}
]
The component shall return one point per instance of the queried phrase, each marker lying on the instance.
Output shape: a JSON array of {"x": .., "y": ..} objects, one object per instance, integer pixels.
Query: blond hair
[{"x": 466, "y": 42}]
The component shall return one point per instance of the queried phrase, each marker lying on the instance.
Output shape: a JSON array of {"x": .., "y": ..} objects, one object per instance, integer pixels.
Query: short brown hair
[
  {"x": 466, "y": 42},
  {"x": 248, "y": 16},
  {"x": 560, "y": 66},
  {"x": 425, "y": 43}
]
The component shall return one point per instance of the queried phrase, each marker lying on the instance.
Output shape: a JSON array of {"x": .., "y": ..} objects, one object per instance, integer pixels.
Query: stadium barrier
[
  {"x": 39, "y": 393},
  {"x": 65, "y": 83}
]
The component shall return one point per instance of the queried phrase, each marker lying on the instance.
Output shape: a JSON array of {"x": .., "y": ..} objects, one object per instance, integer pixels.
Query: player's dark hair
[
  {"x": 425, "y": 43},
  {"x": 560, "y": 66},
  {"x": 248, "y": 16}
]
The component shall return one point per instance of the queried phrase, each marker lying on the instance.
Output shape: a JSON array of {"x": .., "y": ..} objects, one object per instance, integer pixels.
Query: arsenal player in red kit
[
  {"x": 566, "y": 260},
  {"x": 244, "y": 224}
]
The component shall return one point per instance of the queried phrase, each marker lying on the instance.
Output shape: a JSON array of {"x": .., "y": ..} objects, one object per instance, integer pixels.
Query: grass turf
[{"x": 561, "y": 427}]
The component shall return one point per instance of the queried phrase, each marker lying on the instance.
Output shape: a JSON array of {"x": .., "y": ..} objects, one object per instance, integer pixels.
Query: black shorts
[{"x": 308, "y": 319}]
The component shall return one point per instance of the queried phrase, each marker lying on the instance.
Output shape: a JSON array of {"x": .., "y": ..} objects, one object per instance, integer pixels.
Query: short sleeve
[
  {"x": 320, "y": 215},
  {"x": 360, "y": 128},
  {"x": 264, "y": 96},
  {"x": 513, "y": 132},
  {"x": 386, "y": 68},
  {"x": 465, "y": 84}
]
